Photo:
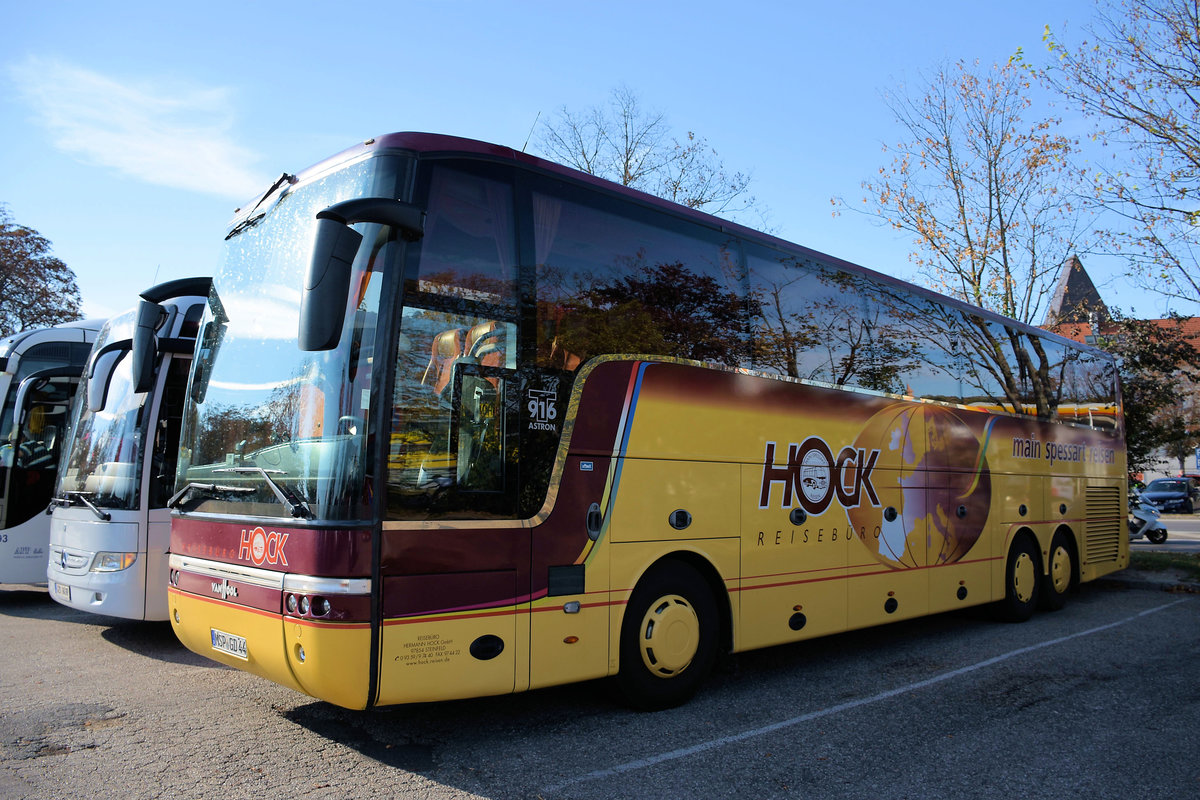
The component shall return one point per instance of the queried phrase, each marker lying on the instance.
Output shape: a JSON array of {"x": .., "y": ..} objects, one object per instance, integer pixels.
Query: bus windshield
[
  {"x": 105, "y": 460},
  {"x": 276, "y": 431}
]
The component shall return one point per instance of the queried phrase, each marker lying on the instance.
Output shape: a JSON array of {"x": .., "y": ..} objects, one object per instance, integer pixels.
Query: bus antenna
[{"x": 531, "y": 127}]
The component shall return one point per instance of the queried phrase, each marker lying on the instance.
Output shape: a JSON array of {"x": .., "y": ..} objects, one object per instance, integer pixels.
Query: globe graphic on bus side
[{"x": 933, "y": 485}]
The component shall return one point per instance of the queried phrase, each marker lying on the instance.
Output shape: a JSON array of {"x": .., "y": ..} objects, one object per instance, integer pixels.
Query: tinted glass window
[
  {"x": 915, "y": 344},
  {"x": 469, "y": 248},
  {"x": 615, "y": 279},
  {"x": 465, "y": 438},
  {"x": 1090, "y": 381},
  {"x": 809, "y": 321}
]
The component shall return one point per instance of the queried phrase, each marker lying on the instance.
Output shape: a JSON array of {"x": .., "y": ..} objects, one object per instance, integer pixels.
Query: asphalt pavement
[{"x": 1097, "y": 700}]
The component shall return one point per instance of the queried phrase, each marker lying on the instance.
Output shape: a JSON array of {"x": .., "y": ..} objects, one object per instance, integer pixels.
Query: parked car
[{"x": 1170, "y": 494}]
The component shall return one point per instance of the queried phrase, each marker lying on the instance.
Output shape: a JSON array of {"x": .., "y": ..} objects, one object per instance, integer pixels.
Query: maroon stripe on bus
[
  {"x": 230, "y": 591},
  {"x": 323, "y": 552}
]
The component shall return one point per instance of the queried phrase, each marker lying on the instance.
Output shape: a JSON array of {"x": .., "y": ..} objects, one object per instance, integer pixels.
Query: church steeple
[{"x": 1075, "y": 297}]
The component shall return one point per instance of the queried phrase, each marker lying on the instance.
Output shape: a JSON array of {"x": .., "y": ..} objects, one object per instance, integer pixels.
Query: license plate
[
  {"x": 62, "y": 591},
  {"x": 228, "y": 643}
]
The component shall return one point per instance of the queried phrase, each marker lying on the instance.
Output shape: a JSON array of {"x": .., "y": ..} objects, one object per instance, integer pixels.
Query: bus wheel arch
[
  {"x": 670, "y": 633},
  {"x": 1022, "y": 578},
  {"x": 1062, "y": 570}
]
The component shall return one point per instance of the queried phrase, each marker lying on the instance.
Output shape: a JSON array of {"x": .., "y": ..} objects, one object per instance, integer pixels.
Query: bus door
[
  {"x": 569, "y": 580},
  {"x": 455, "y": 554}
]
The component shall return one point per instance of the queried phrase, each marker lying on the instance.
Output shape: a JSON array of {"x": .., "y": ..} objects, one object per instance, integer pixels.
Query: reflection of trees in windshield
[
  {"x": 1004, "y": 370},
  {"x": 819, "y": 323},
  {"x": 664, "y": 308},
  {"x": 293, "y": 409},
  {"x": 815, "y": 324}
]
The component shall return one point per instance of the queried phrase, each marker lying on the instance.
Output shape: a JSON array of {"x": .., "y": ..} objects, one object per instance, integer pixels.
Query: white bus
[
  {"x": 111, "y": 526},
  {"x": 38, "y": 373}
]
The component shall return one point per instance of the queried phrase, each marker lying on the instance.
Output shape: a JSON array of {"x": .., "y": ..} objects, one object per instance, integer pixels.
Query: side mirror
[
  {"x": 103, "y": 365},
  {"x": 145, "y": 348},
  {"x": 323, "y": 303}
]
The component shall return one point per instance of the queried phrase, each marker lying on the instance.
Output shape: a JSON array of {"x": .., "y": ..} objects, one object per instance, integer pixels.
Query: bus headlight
[{"x": 113, "y": 562}]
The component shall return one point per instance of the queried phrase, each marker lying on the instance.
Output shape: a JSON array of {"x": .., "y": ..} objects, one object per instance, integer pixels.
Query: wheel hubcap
[
  {"x": 670, "y": 636},
  {"x": 1024, "y": 576},
  {"x": 1060, "y": 569}
]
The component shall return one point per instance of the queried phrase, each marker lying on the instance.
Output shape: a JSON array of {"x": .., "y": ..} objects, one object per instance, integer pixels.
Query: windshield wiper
[
  {"x": 207, "y": 488},
  {"x": 245, "y": 225},
  {"x": 68, "y": 499},
  {"x": 252, "y": 220},
  {"x": 295, "y": 505}
]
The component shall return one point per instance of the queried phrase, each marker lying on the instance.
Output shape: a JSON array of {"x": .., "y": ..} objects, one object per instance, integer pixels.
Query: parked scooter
[{"x": 1144, "y": 521}]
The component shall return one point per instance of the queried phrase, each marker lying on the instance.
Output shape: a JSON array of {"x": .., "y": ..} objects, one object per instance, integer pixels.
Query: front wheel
[
  {"x": 1021, "y": 581},
  {"x": 1157, "y": 535},
  {"x": 668, "y": 638}
]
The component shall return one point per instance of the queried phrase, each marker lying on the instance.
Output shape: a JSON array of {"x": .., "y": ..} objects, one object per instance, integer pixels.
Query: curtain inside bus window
[
  {"x": 620, "y": 279},
  {"x": 468, "y": 251}
]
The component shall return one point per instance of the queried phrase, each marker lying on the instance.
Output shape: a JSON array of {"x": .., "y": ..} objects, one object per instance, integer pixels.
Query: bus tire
[
  {"x": 668, "y": 638},
  {"x": 1061, "y": 573},
  {"x": 1022, "y": 581}
]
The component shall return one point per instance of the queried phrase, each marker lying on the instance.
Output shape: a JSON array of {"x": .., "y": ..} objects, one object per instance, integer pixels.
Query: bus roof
[{"x": 432, "y": 144}]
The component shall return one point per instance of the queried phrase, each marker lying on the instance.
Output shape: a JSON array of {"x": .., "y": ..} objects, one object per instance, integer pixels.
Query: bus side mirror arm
[{"x": 327, "y": 284}]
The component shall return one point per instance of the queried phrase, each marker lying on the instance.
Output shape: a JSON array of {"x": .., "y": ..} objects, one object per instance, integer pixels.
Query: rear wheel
[
  {"x": 668, "y": 638},
  {"x": 1021, "y": 581},
  {"x": 1057, "y": 581}
]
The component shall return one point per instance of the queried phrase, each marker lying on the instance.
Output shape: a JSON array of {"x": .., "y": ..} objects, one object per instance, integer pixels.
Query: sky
[{"x": 129, "y": 131}]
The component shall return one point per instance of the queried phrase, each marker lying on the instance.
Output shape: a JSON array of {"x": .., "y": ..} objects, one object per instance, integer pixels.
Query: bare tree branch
[
  {"x": 624, "y": 143},
  {"x": 982, "y": 192}
]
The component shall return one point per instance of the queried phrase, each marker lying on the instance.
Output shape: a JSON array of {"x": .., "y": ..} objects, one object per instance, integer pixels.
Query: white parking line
[{"x": 712, "y": 744}]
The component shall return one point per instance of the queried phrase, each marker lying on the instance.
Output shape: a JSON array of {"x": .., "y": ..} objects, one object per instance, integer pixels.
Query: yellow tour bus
[{"x": 464, "y": 422}]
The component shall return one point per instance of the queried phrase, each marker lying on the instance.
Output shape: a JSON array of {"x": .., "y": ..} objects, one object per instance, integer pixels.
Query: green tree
[
  {"x": 623, "y": 142},
  {"x": 1159, "y": 370},
  {"x": 1136, "y": 73},
  {"x": 36, "y": 289}
]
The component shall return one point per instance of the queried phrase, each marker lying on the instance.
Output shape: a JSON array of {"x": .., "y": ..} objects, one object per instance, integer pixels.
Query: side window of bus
[
  {"x": 635, "y": 282},
  {"x": 987, "y": 371},
  {"x": 450, "y": 440},
  {"x": 1009, "y": 370},
  {"x": 468, "y": 251},
  {"x": 915, "y": 348},
  {"x": 1044, "y": 365},
  {"x": 450, "y": 448},
  {"x": 164, "y": 456},
  {"x": 809, "y": 321},
  {"x": 1090, "y": 385}
]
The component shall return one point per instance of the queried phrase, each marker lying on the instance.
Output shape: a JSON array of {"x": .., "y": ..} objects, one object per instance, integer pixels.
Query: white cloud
[{"x": 169, "y": 135}]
